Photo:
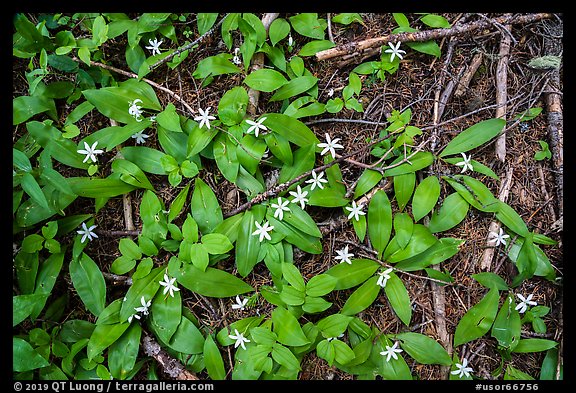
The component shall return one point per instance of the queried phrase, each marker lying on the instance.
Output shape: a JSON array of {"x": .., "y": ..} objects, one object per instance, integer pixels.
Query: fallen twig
[
  {"x": 501, "y": 90},
  {"x": 170, "y": 366},
  {"x": 464, "y": 81}
]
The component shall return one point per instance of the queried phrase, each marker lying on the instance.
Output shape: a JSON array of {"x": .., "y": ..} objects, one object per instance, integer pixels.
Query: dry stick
[
  {"x": 555, "y": 135},
  {"x": 427, "y": 35},
  {"x": 486, "y": 262},
  {"x": 172, "y": 367},
  {"x": 126, "y": 199},
  {"x": 501, "y": 90},
  {"x": 544, "y": 192},
  {"x": 466, "y": 78},
  {"x": 135, "y": 76}
]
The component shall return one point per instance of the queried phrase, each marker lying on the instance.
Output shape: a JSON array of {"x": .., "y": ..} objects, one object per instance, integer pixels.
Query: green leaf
[
  {"x": 205, "y": 21},
  {"x": 427, "y": 47},
  {"x": 474, "y": 136},
  {"x": 280, "y": 148},
  {"x": 215, "y": 65},
  {"x": 367, "y": 180},
  {"x": 395, "y": 369},
  {"x": 213, "y": 360},
  {"x": 131, "y": 174},
  {"x": 292, "y": 296},
  {"x": 425, "y": 197},
  {"x": 294, "y": 87},
  {"x": 308, "y": 25},
  {"x": 279, "y": 29},
  {"x": 348, "y": 18},
  {"x": 266, "y": 80},
  {"x": 362, "y": 297},
  {"x": 334, "y": 325},
  {"x": 350, "y": 275},
  {"x": 178, "y": 203},
  {"x": 398, "y": 298},
  {"x": 205, "y": 207},
  {"x": 24, "y": 305},
  {"x": 534, "y": 345},
  {"x": 436, "y": 21},
  {"x": 420, "y": 160},
  {"x": 249, "y": 153},
  {"x": 320, "y": 285},
  {"x": 453, "y": 210},
  {"x": 147, "y": 159},
  {"x": 292, "y": 275},
  {"x": 24, "y": 357},
  {"x": 422, "y": 239},
  {"x": 89, "y": 283},
  {"x": 285, "y": 357},
  {"x": 247, "y": 245},
  {"x": 20, "y": 160},
  {"x": 403, "y": 188},
  {"x": 169, "y": 119},
  {"x": 507, "y": 325},
  {"x": 146, "y": 287},
  {"x": 403, "y": 227},
  {"x": 295, "y": 236},
  {"x": 103, "y": 336},
  {"x": 216, "y": 243},
  {"x": 123, "y": 353},
  {"x": 314, "y": 305},
  {"x": 165, "y": 313},
  {"x": 31, "y": 187},
  {"x": 232, "y": 106},
  {"x": 301, "y": 220},
  {"x": 224, "y": 152},
  {"x": 424, "y": 349},
  {"x": 478, "y": 319},
  {"x": 312, "y": 47},
  {"x": 211, "y": 282},
  {"x": 188, "y": 338},
  {"x": 379, "y": 221},
  {"x": 474, "y": 192},
  {"x": 509, "y": 217},
  {"x": 489, "y": 279},
  {"x": 99, "y": 188},
  {"x": 286, "y": 326},
  {"x": 290, "y": 128},
  {"x": 25, "y": 107}
]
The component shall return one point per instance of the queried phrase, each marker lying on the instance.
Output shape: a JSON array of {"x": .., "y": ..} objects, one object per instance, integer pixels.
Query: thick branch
[
  {"x": 427, "y": 35},
  {"x": 170, "y": 366}
]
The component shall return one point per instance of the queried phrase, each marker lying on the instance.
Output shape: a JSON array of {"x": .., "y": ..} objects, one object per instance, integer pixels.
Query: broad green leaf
[
  {"x": 178, "y": 203},
  {"x": 320, "y": 285},
  {"x": 147, "y": 159},
  {"x": 20, "y": 160},
  {"x": 292, "y": 296},
  {"x": 211, "y": 282},
  {"x": 213, "y": 360},
  {"x": 403, "y": 188},
  {"x": 509, "y": 217},
  {"x": 403, "y": 227},
  {"x": 313, "y": 304},
  {"x": 131, "y": 174},
  {"x": 395, "y": 369},
  {"x": 512, "y": 373},
  {"x": 348, "y": 18},
  {"x": 279, "y": 29},
  {"x": 436, "y": 21},
  {"x": 534, "y": 345},
  {"x": 280, "y": 148},
  {"x": 24, "y": 357},
  {"x": 334, "y": 325},
  {"x": 507, "y": 325},
  {"x": 367, "y": 180},
  {"x": 188, "y": 338},
  {"x": 288, "y": 329},
  {"x": 145, "y": 287},
  {"x": 301, "y": 220},
  {"x": 295, "y": 236},
  {"x": 250, "y": 152},
  {"x": 474, "y": 192},
  {"x": 285, "y": 357},
  {"x": 309, "y": 25},
  {"x": 425, "y": 197},
  {"x": 46, "y": 278},
  {"x": 350, "y": 275},
  {"x": 419, "y": 160},
  {"x": 232, "y": 106},
  {"x": 99, "y": 188},
  {"x": 543, "y": 266},
  {"x": 216, "y": 243},
  {"x": 204, "y": 207},
  {"x": 103, "y": 336},
  {"x": 489, "y": 279},
  {"x": 26, "y": 270},
  {"x": 379, "y": 221},
  {"x": 362, "y": 297},
  {"x": 175, "y": 144},
  {"x": 24, "y": 305},
  {"x": 224, "y": 151},
  {"x": 215, "y": 65},
  {"x": 549, "y": 365},
  {"x": 325, "y": 350},
  {"x": 424, "y": 349},
  {"x": 478, "y": 319},
  {"x": 205, "y": 21},
  {"x": 229, "y": 227},
  {"x": 25, "y": 107},
  {"x": 422, "y": 239},
  {"x": 292, "y": 275},
  {"x": 56, "y": 180},
  {"x": 398, "y": 297},
  {"x": 165, "y": 313},
  {"x": 169, "y": 119},
  {"x": 31, "y": 187},
  {"x": 312, "y": 47},
  {"x": 294, "y": 87},
  {"x": 474, "y": 136},
  {"x": 290, "y": 128},
  {"x": 453, "y": 210},
  {"x": 89, "y": 283},
  {"x": 247, "y": 245},
  {"x": 266, "y": 80},
  {"x": 123, "y": 353},
  {"x": 427, "y": 47},
  {"x": 360, "y": 227}
]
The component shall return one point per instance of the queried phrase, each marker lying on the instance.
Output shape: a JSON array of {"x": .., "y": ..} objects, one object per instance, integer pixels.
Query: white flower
[
  {"x": 204, "y": 117},
  {"x": 256, "y": 126},
  {"x": 140, "y": 137},
  {"x": 462, "y": 369},
  {"x": 391, "y": 351},
  {"x": 263, "y": 230},
  {"x": 299, "y": 197},
  {"x": 239, "y": 303},
  {"x": 465, "y": 164},
  {"x": 355, "y": 211},
  {"x": 524, "y": 303},
  {"x": 333, "y": 338},
  {"x": 133, "y": 316},
  {"x": 330, "y": 92},
  {"x": 384, "y": 277},
  {"x": 395, "y": 51},
  {"x": 154, "y": 46},
  {"x": 240, "y": 339},
  {"x": 330, "y": 146},
  {"x": 145, "y": 305},
  {"x": 498, "y": 238},
  {"x": 236, "y": 60},
  {"x": 280, "y": 207},
  {"x": 344, "y": 256},
  {"x": 317, "y": 181},
  {"x": 90, "y": 151},
  {"x": 168, "y": 283},
  {"x": 134, "y": 109},
  {"x": 87, "y": 232},
  {"x": 290, "y": 40}
]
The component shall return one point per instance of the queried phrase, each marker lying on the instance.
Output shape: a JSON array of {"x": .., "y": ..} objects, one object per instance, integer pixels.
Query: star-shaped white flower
[
  {"x": 87, "y": 232},
  {"x": 135, "y": 110},
  {"x": 391, "y": 352},
  {"x": 204, "y": 117},
  {"x": 498, "y": 238},
  {"x": 330, "y": 146},
  {"x": 355, "y": 211},
  {"x": 384, "y": 277},
  {"x": 290, "y": 40},
  {"x": 154, "y": 46},
  {"x": 344, "y": 256},
  {"x": 145, "y": 306},
  {"x": 465, "y": 164},
  {"x": 280, "y": 207},
  {"x": 256, "y": 126},
  {"x": 168, "y": 285},
  {"x": 462, "y": 369},
  {"x": 90, "y": 151},
  {"x": 140, "y": 137},
  {"x": 317, "y": 181},
  {"x": 240, "y": 339},
  {"x": 395, "y": 51},
  {"x": 239, "y": 303},
  {"x": 133, "y": 316},
  {"x": 524, "y": 303},
  {"x": 236, "y": 59},
  {"x": 299, "y": 197},
  {"x": 263, "y": 230}
]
